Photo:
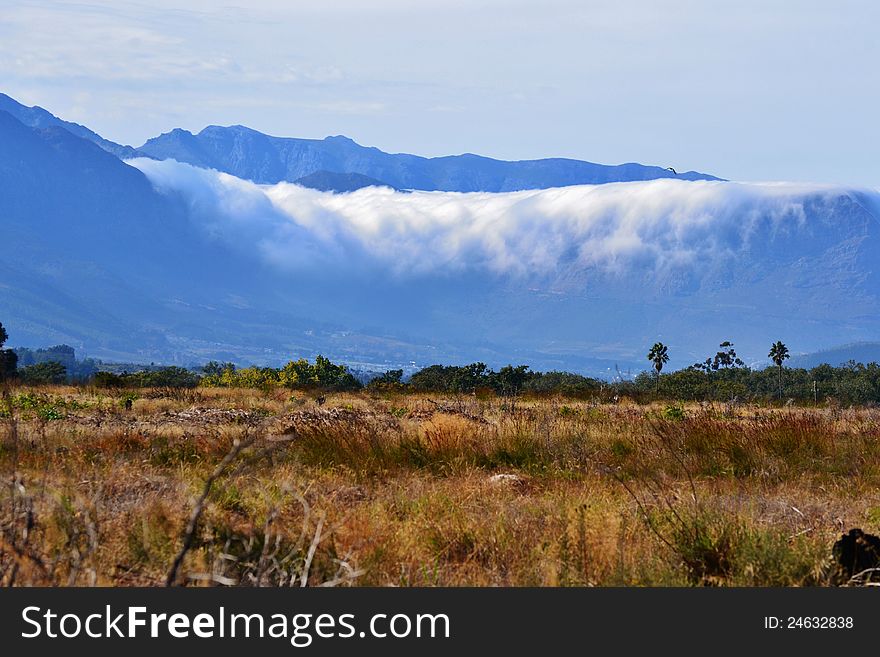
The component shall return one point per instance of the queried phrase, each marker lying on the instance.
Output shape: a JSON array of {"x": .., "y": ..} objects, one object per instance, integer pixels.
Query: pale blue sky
[{"x": 750, "y": 90}]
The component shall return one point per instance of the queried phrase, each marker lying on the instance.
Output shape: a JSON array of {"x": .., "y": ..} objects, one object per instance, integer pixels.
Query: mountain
[
  {"x": 860, "y": 352},
  {"x": 155, "y": 260},
  {"x": 80, "y": 230},
  {"x": 331, "y": 181},
  {"x": 554, "y": 277},
  {"x": 252, "y": 155},
  {"x": 64, "y": 190},
  {"x": 37, "y": 117},
  {"x": 93, "y": 256}
]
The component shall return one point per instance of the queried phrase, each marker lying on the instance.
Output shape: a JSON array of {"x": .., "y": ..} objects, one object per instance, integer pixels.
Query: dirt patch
[
  {"x": 320, "y": 419},
  {"x": 202, "y": 415}
]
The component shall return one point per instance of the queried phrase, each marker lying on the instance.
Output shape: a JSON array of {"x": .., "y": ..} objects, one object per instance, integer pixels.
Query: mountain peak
[
  {"x": 265, "y": 159},
  {"x": 177, "y": 132},
  {"x": 39, "y": 118},
  {"x": 234, "y": 129},
  {"x": 253, "y": 155},
  {"x": 98, "y": 255}
]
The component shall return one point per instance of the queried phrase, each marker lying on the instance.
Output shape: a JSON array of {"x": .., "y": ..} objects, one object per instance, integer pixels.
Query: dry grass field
[{"x": 242, "y": 487}]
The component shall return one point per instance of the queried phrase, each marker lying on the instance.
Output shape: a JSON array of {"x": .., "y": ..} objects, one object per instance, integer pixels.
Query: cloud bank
[{"x": 661, "y": 224}]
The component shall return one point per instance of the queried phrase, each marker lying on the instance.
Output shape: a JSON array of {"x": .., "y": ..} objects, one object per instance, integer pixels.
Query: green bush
[
  {"x": 107, "y": 380},
  {"x": 8, "y": 358},
  {"x": 390, "y": 381},
  {"x": 50, "y": 372},
  {"x": 298, "y": 374},
  {"x": 674, "y": 413}
]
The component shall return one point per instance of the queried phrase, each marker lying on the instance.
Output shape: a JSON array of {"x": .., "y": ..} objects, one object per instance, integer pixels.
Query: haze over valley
[{"x": 233, "y": 245}]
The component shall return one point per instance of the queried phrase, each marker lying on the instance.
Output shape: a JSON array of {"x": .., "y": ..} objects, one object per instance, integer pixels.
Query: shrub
[
  {"x": 298, "y": 374},
  {"x": 43, "y": 373},
  {"x": 8, "y": 364},
  {"x": 390, "y": 381},
  {"x": 8, "y": 358},
  {"x": 107, "y": 380},
  {"x": 674, "y": 413}
]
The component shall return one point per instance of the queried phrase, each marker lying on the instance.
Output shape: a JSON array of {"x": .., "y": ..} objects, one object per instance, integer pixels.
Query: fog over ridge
[{"x": 657, "y": 224}]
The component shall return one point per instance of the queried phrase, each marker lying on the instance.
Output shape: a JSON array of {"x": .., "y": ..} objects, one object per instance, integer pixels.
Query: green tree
[
  {"x": 323, "y": 375},
  {"x": 779, "y": 354},
  {"x": 8, "y": 358},
  {"x": 726, "y": 357},
  {"x": 214, "y": 368},
  {"x": 44, "y": 373},
  {"x": 468, "y": 378},
  {"x": 565, "y": 383},
  {"x": 390, "y": 381},
  {"x": 297, "y": 374},
  {"x": 434, "y": 378},
  {"x": 509, "y": 380},
  {"x": 391, "y": 376},
  {"x": 107, "y": 380},
  {"x": 659, "y": 356}
]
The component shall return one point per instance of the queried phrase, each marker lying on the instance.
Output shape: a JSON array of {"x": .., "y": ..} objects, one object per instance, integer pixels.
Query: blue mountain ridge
[
  {"x": 37, "y": 117},
  {"x": 262, "y": 158},
  {"x": 252, "y": 155},
  {"x": 94, "y": 256}
]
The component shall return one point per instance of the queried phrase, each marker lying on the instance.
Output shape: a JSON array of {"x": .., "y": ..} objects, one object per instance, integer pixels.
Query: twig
[
  {"x": 304, "y": 579},
  {"x": 22, "y": 557},
  {"x": 349, "y": 576},
  {"x": 800, "y": 533},
  {"x": 641, "y": 507},
  {"x": 209, "y": 577},
  {"x": 264, "y": 553},
  {"x": 192, "y": 525},
  {"x": 860, "y": 577}
]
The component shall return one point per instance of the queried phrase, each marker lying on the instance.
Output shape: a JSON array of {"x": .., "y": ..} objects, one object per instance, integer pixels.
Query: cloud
[
  {"x": 654, "y": 226},
  {"x": 239, "y": 213}
]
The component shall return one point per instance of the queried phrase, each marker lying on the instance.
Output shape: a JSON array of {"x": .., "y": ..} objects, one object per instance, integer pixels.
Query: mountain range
[
  {"x": 252, "y": 155},
  {"x": 209, "y": 246},
  {"x": 249, "y": 154},
  {"x": 37, "y": 117}
]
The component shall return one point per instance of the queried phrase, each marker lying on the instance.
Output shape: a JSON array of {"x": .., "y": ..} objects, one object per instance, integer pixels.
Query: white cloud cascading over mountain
[{"x": 658, "y": 225}]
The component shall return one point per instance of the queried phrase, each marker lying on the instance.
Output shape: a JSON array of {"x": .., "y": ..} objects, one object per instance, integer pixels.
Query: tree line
[
  {"x": 721, "y": 377},
  {"x": 725, "y": 376}
]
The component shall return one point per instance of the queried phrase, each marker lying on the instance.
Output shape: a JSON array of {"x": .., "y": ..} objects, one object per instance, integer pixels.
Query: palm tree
[
  {"x": 658, "y": 356},
  {"x": 778, "y": 354}
]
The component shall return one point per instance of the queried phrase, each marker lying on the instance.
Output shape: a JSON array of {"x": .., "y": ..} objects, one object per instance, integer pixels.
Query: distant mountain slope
[
  {"x": 255, "y": 156},
  {"x": 156, "y": 260},
  {"x": 860, "y": 352},
  {"x": 92, "y": 255},
  {"x": 330, "y": 181},
  {"x": 55, "y": 185},
  {"x": 37, "y": 117},
  {"x": 252, "y": 155}
]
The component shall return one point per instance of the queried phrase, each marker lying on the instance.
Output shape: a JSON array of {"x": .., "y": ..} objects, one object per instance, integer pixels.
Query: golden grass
[{"x": 404, "y": 490}]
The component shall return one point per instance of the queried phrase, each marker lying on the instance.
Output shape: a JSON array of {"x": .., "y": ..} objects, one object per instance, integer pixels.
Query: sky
[{"x": 751, "y": 90}]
